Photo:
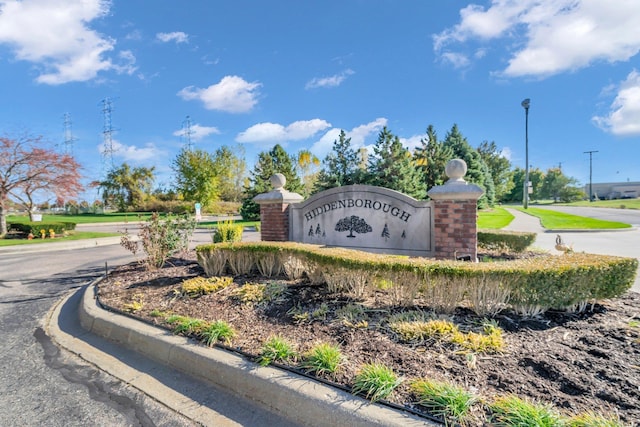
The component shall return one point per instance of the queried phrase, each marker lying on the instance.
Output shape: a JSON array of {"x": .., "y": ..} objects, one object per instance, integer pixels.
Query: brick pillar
[
  {"x": 455, "y": 212},
  {"x": 274, "y": 210},
  {"x": 274, "y": 222}
]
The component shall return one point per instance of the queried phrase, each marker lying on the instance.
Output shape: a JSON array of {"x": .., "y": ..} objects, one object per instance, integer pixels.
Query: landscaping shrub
[
  {"x": 227, "y": 231},
  {"x": 527, "y": 285},
  {"x": 160, "y": 238},
  {"x": 36, "y": 227},
  {"x": 511, "y": 241}
]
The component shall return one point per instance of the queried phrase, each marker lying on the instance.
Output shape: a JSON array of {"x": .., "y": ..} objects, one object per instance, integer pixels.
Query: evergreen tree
[
  {"x": 340, "y": 167},
  {"x": 432, "y": 157},
  {"x": 499, "y": 167},
  {"x": 393, "y": 167},
  {"x": 269, "y": 163},
  {"x": 477, "y": 170}
]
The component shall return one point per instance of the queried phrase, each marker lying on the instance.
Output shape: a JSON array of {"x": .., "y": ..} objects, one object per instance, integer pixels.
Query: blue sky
[{"x": 252, "y": 74}]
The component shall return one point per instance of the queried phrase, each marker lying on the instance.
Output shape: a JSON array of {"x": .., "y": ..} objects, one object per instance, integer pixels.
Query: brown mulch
[{"x": 581, "y": 362}]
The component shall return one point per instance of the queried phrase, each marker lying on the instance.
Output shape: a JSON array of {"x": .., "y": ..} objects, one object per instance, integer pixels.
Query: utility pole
[
  {"x": 590, "y": 173},
  {"x": 525, "y": 191}
]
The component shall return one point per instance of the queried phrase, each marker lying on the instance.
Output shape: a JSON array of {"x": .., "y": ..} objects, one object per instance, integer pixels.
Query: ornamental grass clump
[
  {"x": 199, "y": 286},
  {"x": 592, "y": 419},
  {"x": 323, "y": 358},
  {"x": 489, "y": 341},
  {"x": 449, "y": 401},
  {"x": 514, "y": 411},
  {"x": 186, "y": 325},
  {"x": 217, "y": 331},
  {"x": 276, "y": 349},
  {"x": 375, "y": 381},
  {"x": 258, "y": 293}
]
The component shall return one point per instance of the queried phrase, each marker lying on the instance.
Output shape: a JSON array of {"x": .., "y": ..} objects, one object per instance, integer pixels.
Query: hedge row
[
  {"x": 529, "y": 286},
  {"x": 35, "y": 227},
  {"x": 511, "y": 241}
]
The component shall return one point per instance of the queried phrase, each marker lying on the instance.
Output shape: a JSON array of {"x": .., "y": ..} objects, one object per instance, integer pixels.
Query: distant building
[{"x": 614, "y": 190}]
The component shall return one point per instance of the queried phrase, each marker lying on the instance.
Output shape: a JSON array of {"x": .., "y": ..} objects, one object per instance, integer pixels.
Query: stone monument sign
[{"x": 364, "y": 217}]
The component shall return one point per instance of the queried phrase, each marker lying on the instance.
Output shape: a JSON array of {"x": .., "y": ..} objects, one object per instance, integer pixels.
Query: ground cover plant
[{"x": 580, "y": 366}]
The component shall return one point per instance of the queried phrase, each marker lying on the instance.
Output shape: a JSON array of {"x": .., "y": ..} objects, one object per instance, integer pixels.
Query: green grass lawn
[
  {"x": 553, "y": 220},
  {"x": 77, "y": 235},
  {"x": 212, "y": 224},
  {"x": 494, "y": 218},
  {"x": 86, "y": 218},
  {"x": 617, "y": 204}
]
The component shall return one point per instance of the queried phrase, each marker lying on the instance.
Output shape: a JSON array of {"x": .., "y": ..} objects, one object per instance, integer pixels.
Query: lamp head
[{"x": 526, "y": 103}]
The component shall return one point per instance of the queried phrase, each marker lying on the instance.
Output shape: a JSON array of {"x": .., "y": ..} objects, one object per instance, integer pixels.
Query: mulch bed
[{"x": 580, "y": 362}]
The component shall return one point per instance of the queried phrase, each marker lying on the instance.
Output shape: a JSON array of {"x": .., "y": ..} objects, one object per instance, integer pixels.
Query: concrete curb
[{"x": 292, "y": 396}]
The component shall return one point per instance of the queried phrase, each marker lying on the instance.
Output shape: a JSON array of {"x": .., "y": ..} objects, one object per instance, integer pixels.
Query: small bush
[
  {"x": 35, "y": 228},
  {"x": 510, "y": 241},
  {"x": 160, "y": 238},
  {"x": 228, "y": 231},
  {"x": 375, "y": 381}
]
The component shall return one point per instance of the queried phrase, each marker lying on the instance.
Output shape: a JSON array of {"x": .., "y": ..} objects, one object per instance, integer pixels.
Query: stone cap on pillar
[
  {"x": 278, "y": 194},
  {"x": 456, "y": 188}
]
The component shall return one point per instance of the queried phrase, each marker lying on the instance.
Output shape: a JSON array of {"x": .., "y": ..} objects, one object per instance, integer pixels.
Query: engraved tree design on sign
[{"x": 353, "y": 223}]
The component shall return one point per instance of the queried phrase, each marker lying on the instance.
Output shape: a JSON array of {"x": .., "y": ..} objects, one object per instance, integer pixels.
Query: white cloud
[
  {"x": 274, "y": 132},
  {"x": 198, "y": 132},
  {"x": 624, "y": 115},
  {"x": 54, "y": 35},
  {"x": 457, "y": 60},
  {"x": 506, "y": 153},
  {"x": 331, "y": 81},
  {"x": 413, "y": 141},
  {"x": 131, "y": 153},
  {"x": 176, "y": 36},
  {"x": 232, "y": 94},
  {"x": 358, "y": 136},
  {"x": 551, "y": 36}
]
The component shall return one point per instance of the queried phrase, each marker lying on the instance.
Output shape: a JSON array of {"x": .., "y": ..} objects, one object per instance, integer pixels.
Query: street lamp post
[{"x": 525, "y": 189}]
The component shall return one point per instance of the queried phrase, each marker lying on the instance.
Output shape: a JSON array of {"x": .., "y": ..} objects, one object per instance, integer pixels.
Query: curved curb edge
[{"x": 294, "y": 397}]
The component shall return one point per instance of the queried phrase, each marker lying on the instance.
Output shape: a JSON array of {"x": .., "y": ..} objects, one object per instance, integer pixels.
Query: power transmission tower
[
  {"x": 69, "y": 139},
  {"x": 107, "y": 135},
  {"x": 186, "y": 133}
]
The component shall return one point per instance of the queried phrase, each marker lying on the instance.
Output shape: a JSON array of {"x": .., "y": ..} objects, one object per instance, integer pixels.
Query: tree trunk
[{"x": 3, "y": 220}]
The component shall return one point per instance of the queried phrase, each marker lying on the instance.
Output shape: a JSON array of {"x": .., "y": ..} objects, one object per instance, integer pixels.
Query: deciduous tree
[
  {"x": 196, "y": 176},
  {"x": 126, "y": 187},
  {"x": 28, "y": 169}
]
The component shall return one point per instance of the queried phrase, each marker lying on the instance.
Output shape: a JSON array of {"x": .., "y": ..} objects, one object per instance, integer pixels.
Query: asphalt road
[{"x": 44, "y": 385}]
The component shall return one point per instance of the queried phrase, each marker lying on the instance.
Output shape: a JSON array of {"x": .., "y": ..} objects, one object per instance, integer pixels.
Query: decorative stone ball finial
[
  {"x": 278, "y": 181},
  {"x": 455, "y": 170}
]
